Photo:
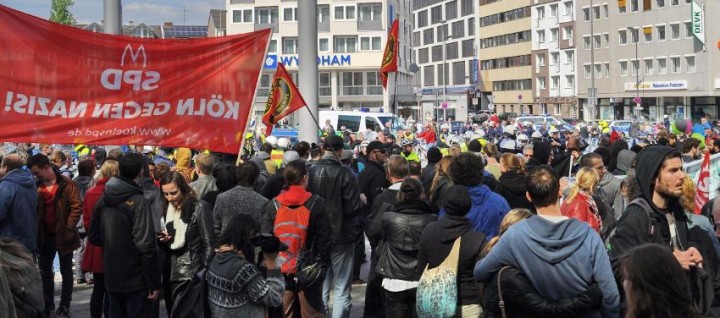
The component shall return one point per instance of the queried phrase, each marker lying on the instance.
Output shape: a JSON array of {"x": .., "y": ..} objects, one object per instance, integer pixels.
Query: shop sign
[
  {"x": 293, "y": 60},
  {"x": 657, "y": 86}
]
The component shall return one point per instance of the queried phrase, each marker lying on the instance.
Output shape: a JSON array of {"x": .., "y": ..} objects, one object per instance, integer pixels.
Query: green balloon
[
  {"x": 700, "y": 138},
  {"x": 674, "y": 129}
]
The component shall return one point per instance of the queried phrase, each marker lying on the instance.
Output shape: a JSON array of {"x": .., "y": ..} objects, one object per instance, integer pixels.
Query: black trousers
[
  {"x": 47, "y": 255},
  {"x": 400, "y": 304}
]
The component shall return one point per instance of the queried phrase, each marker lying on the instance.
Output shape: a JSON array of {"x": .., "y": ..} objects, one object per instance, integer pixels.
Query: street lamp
[
  {"x": 635, "y": 33},
  {"x": 445, "y": 76}
]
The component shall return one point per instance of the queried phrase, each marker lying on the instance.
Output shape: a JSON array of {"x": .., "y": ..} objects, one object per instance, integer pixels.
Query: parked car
[
  {"x": 538, "y": 120},
  {"x": 358, "y": 121}
]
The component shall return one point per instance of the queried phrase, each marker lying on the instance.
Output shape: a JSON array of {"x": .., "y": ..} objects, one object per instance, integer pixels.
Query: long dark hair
[
  {"x": 237, "y": 234},
  {"x": 181, "y": 183},
  {"x": 658, "y": 285}
]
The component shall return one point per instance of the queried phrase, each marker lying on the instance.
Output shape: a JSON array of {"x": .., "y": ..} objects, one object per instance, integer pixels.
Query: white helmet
[
  {"x": 522, "y": 137},
  {"x": 509, "y": 129},
  {"x": 271, "y": 140},
  {"x": 283, "y": 143},
  {"x": 536, "y": 135},
  {"x": 445, "y": 126}
]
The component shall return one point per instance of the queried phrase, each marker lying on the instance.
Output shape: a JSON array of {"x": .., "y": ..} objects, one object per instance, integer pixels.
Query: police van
[{"x": 359, "y": 121}]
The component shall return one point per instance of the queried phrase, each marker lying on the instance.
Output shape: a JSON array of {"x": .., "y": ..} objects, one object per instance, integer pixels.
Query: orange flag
[
  {"x": 389, "y": 61},
  {"x": 284, "y": 98}
]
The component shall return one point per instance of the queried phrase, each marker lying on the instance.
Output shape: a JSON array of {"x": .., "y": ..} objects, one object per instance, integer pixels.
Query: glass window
[
  {"x": 436, "y": 14},
  {"x": 345, "y": 44},
  {"x": 570, "y": 80},
  {"x": 458, "y": 29},
  {"x": 540, "y": 58},
  {"x": 586, "y": 14},
  {"x": 607, "y": 70},
  {"x": 266, "y": 15},
  {"x": 541, "y": 82},
  {"x": 289, "y": 14},
  {"x": 554, "y": 82},
  {"x": 567, "y": 33},
  {"x": 605, "y": 11},
  {"x": 264, "y": 88},
  {"x": 623, "y": 68},
  {"x": 323, "y": 13},
  {"x": 647, "y": 5},
  {"x": 289, "y": 45},
  {"x": 555, "y": 58},
  {"x": 451, "y": 50},
  {"x": 649, "y": 67},
  {"x": 588, "y": 70},
  {"x": 540, "y": 13},
  {"x": 634, "y": 35},
  {"x": 458, "y": 73},
  {"x": 586, "y": 42},
  {"x": 451, "y": 10},
  {"x": 598, "y": 70},
  {"x": 428, "y": 36},
  {"x": 248, "y": 16},
  {"x": 370, "y": 13},
  {"x": 598, "y": 40},
  {"x": 371, "y": 123},
  {"x": 273, "y": 46},
  {"x": 237, "y": 16},
  {"x": 660, "y": 32},
  {"x": 467, "y": 7},
  {"x": 690, "y": 62},
  {"x": 374, "y": 85},
  {"x": 422, "y": 19},
  {"x": 345, "y": 12},
  {"x": 423, "y": 55},
  {"x": 429, "y": 75},
  {"x": 675, "y": 31},
  {"x": 554, "y": 35},
  {"x": 471, "y": 26},
  {"x": 468, "y": 48},
  {"x": 675, "y": 65},
  {"x": 662, "y": 65},
  {"x": 622, "y": 37},
  {"x": 352, "y": 83},
  {"x": 660, "y": 3},
  {"x": 622, "y": 10},
  {"x": 553, "y": 10},
  {"x": 635, "y": 67},
  {"x": 437, "y": 53},
  {"x": 688, "y": 30},
  {"x": 351, "y": 122},
  {"x": 596, "y": 12},
  {"x": 323, "y": 45},
  {"x": 569, "y": 57},
  {"x": 675, "y": 2},
  {"x": 324, "y": 88},
  {"x": 647, "y": 32},
  {"x": 541, "y": 36},
  {"x": 568, "y": 8},
  {"x": 633, "y": 5}
]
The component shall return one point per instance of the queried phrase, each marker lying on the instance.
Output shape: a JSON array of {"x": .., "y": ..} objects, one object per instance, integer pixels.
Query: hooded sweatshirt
[
  {"x": 624, "y": 162},
  {"x": 541, "y": 155},
  {"x": 487, "y": 210},
  {"x": 18, "y": 205},
  {"x": 512, "y": 186},
  {"x": 609, "y": 192},
  {"x": 560, "y": 259}
]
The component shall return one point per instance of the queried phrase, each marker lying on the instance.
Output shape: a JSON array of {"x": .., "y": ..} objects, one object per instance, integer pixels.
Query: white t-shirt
[{"x": 553, "y": 218}]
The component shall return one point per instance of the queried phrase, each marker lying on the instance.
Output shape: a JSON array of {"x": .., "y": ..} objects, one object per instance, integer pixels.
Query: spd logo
[{"x": 139, "y": 79}]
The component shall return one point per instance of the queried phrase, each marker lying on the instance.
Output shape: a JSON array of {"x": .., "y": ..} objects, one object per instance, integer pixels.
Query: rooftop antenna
[{"x": 185, "y": 11}]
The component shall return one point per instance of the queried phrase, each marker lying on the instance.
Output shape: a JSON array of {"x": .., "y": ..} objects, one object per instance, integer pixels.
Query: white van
[{"x": 358, "y": 121}]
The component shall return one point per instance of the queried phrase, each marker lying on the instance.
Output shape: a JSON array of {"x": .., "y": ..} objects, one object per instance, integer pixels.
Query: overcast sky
[{"x": 145, "y": 11}]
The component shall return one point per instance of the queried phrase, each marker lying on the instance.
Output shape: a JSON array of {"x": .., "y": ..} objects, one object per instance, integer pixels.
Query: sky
[{"x": 138, "y": 11}]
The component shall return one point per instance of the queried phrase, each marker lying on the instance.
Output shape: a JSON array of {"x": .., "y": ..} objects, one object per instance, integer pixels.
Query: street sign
[
  {"x": 491, "y": 98},
  {"x": 491, "y": 106},
  {"x": 444, "y": 105},
  {"x": 637, "y": 100},
  {"x": 519, "y": 98}
]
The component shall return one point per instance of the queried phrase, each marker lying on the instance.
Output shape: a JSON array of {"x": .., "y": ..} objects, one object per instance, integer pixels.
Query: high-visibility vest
[
  {"x": 277, "y": 156},
  {"x": 411, "y": 157}
]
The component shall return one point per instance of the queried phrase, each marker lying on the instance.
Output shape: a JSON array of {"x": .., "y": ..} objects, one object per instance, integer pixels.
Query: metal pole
[
  {"x": 445, "y": 36},
  {"x": 592, "y": 96},
  {"x": 112, "y": 14},
  {"x": 307, "y": 67},
  {"x": 637, "y": 78}
]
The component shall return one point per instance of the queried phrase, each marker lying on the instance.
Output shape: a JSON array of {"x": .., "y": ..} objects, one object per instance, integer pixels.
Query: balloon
[
  {"x": 700, "y": 138},
  {"x": 675, "y": 130},
  {"x": 689, "y": 125},
  {"x": 699, "y": 128},
  {"x": 681, "y": 124}
]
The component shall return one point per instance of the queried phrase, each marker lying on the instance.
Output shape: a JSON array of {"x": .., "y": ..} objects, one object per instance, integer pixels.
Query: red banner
[
  {"x": 702, "y": 196},
  {"x": 60, "y": 84},
  {"x": 389, "y": 62},
  {"x": 284, "y": 98}
]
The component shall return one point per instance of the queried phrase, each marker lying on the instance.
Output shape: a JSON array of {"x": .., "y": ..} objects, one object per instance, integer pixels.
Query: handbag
[
  {"x": 310, "y": 272},
  {"x": 437, "y": 290},
  {"x": 501, "y": 302},
  {"x": 190, "y": 298}
]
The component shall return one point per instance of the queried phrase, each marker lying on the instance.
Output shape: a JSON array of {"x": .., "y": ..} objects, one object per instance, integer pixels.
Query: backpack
[
  {"x": 652, "y": 223},
  {"x": 291, "y": 227},
  {"x": 23, "y": 278},
  {"x": 437, "y": 290}
]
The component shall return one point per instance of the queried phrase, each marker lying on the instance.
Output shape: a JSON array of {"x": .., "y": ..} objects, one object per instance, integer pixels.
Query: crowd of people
[{"x": 536, "y": 222}]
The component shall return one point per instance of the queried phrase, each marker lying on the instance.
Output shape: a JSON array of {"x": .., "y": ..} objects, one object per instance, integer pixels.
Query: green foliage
[{"x": 60, "y": 12}]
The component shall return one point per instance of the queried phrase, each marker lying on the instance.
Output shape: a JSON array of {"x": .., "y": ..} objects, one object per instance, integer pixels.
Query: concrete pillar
[
  {"x": 112, "y": 14},
  {"x": 308, "y": 69}
]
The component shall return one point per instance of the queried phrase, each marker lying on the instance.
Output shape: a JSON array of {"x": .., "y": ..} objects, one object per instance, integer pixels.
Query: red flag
[
  {"x": 703, "y": 186},
  {"x": 284, "y": 98},
  {"x": 389, "y": 61}
]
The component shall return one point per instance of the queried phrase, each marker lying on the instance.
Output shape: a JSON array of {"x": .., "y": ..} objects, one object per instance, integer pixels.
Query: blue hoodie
[
  {"x": 560, "y": 260},
  {"x": 487, "y": 210},
  {"x": 18, "y": 208}
]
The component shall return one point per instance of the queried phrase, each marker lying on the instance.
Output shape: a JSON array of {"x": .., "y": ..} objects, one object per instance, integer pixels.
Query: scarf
[{"x": 173, "y": 217}]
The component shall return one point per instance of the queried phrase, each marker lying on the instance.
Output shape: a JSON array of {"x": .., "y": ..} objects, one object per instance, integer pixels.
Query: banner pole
[{"x": 313, "y": 117}]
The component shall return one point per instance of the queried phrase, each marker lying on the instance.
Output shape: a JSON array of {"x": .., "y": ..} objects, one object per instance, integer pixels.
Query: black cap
[
  {"x": 475, "y": 146},
  {"x": 434, "y": 155},
  {"x": 456, "y": 200},
  {"x": 375, "y": 145},
  {"x": 335, "y": 143}
]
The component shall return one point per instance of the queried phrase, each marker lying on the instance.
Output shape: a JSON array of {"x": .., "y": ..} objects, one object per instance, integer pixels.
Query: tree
[{"x": 60, "y": 12}]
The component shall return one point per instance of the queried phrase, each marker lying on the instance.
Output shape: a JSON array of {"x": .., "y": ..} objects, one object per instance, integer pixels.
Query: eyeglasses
[{"x": 171, "y": 193}]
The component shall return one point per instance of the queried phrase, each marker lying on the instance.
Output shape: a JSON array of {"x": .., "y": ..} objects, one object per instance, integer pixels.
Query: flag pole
[
  {"x": 313, "y": 117},
  {"x": 393, "y": 106}
]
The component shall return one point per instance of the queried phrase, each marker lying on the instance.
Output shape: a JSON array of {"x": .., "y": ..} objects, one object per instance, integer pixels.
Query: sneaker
[
  {"x": 358, "y": 281},
  {"x": 81, "y": 281},
  {"x": 62, "y": 311}
]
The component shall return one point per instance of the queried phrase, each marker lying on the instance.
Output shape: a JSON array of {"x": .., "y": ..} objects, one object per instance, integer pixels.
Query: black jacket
[
  {"x": 521, "y": 299},
  {"x": 372, "y": 181},
  {"x": 199, "y": 241},
  {"x": 435, "y": 243},
  {"x": 273, "y": 186},
  {"x": 384, "y": 202},
  {"x": 336, "y": 184},
  {"x": 123, "y": 225},
  {"x": 401, "y": 231},
  {"x": 436, "y": 195},
  {"x": 512, "y": 186}
]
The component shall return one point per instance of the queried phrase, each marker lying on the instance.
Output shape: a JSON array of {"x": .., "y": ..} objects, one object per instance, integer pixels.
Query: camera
[{"x": 268, "y": 243}]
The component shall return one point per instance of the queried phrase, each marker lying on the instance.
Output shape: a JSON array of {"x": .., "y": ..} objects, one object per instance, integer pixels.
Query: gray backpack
[{"x": 23, "y": 278}]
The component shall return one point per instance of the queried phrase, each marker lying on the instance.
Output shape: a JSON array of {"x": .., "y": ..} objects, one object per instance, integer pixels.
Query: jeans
[
  {"x": 400, "y": 304},
  {"x": 129, "y": 305},
  {"x": 47, "y": 255},
  {"x": 339, "y": 277},
  {"x": 98, "y": 300}
]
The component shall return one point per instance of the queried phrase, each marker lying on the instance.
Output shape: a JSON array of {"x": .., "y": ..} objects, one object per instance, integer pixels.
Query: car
[
  {"x": 549, "y": 120},
  {"x": 359, "y": 121}
]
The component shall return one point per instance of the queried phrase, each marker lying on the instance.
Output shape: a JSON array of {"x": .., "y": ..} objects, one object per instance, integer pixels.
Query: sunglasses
[{"x": 171, "y": 193}]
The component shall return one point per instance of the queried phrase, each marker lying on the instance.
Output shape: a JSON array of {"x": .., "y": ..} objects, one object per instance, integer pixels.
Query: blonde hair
[
  {"x": 512, "y": 217},
  {"x": 109, "y": 169},
  {"x": 586, "y": 180},
  {"x": 512, "y": 162},
  {"x": 687, "y": 199}
]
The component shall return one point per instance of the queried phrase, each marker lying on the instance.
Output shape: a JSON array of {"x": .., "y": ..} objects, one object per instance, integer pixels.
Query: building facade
[
  {"x": 505, "y": 44},
  {"x": 351, "y": 40},
  {"x": 649, "y": 58},
  {"x": 553, "y": 52},
  {"x": 445, "y": 43}
]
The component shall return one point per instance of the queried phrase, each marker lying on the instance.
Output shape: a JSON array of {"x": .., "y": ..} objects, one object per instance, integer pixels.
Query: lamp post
[
  {"x": 592, "y": 94},
  {"x": 445, "y": 77}
]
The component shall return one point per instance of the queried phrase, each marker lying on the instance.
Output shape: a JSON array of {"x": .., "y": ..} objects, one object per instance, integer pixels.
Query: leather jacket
[
  {"x": 521, "y": 299},
  {"x": 337, "y": 185},
  {"x": 400, "y": 243},
  {"x": 199, "y": 241},
  {"x": 68, "y": 209}
]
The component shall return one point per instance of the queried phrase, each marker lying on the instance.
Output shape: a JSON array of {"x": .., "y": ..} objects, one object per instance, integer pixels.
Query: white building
[
  {"x": 553, "y": 52},
  {"x": 444, "y": 33},
  {"x": 351, "y": 40}
]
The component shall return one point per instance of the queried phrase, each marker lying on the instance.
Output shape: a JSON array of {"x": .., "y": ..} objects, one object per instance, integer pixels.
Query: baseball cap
[{"x": 375, "y": 145}]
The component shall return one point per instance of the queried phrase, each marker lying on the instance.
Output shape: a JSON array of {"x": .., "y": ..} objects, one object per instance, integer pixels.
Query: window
[
  {"x": 471, "y": 26},
  {"x": 622, "y": 9},
  {"x": 436, "y": 14},
  {"x": 345, "y": 12},
  {"x": 688, "y": 30},
  {"x": 675, "y": 31},
  {"x": 660, "y": 3},
  {"x": 242, "y": 16},
  {"x": 352, "y": 84},
  {"x": 555, "y": 58},
  {"x": 442, "y": 76},
  {"x": 596, "y": 12},
  {"x": 458, "y": 73},
  {"x": 598, "y": 70},
  {"x": 345, "y": 44},
  {"x": 323, "y": 14},
  {"x": 374, "y": 85},
  {"x": 607, "y": 69},
  {"x": 264, "y": 86},
  {"x": 607, "y": 39},
  {"x": 647, "y": 32},
  {"x": 266, "y": 15},
  {"x": 428, "y": 36},
  {"x": 675, "y": 2},
  {"x": 569, "y": 57},
  {"x": 416, "y": 39},
  {"x": 605, "y": 11},
  {"x": 540, "y": 12},
  {"x": 324, "y": 88},
  {"x": 675, "y": 65},
  {"x": 437, "y": 53},
  {"x": 649, "y": 67},
  {"x": 554, "y": 82},
  {"x": 588, "y": 70},
  {"x": 634, "y": 5},
  {"x": 273, "y": 46},
  {"x": 429, "y": 75},
  {"x": 423, "y": 55},
  {"x": 442, "y": 32},
  {"x": 586, "y": 14},
  {"x": 634, "y": 36},
  {"x": 289, "y": 45},
  {"x": 541, "y": 36},
  {"x": 568, "y": 8},
  {"x": 371, "y": 13},
  {"x": 451, "y": 50},
  {"x": 635, "y": 67},
  {"x": 660, "y": 32},
  {"x": 662, "y": 65},
  {"x": 647, "y": 5},
  {"x": 554, "y": 34},
  {"x": 623, "y": 68},
  {"x": 458, "y": 29},
  {"x": 598, "y": 40},
  {"x": 586, "y": 42},
  {"x": 570, "y": 80},
  {"x": 468, "y": 48},
  {"x": 422, "y": 19},
  {"x": 567, "y": 33},
  {"x": 451, "y": 10},
  {"x": 289, "y": 14},
  {"x": 467, "y": 7},
  {"x": 690, "y": 62},
  {"x": 622, "y": 37},
  {"x": 323, "y": 45},
  {"x": 368, "y": 43},
  {"x": 540, "y": 58},
  {"x": 351, "y": 122},
  {"x": 541, "y": 82}
]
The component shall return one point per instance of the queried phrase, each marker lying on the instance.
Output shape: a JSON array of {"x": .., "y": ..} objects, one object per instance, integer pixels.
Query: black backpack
[{"x": 23, "y": 278}]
